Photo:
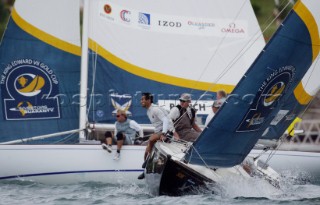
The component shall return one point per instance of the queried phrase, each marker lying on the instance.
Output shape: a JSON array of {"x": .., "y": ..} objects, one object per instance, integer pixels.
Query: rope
[
  {"x": 204, "y": 162},
  {"x": 242, "y": 51}
]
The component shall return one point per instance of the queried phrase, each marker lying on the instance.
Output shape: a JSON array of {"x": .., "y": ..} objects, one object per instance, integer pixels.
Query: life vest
[{"x": 193, "y": 114}]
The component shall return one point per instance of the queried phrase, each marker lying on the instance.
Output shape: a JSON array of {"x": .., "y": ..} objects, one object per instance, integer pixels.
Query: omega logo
[{"x": 232, "y": 29}]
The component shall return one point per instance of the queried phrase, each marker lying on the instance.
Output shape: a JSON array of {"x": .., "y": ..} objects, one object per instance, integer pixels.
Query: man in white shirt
[{"x": 159, "y": 119}]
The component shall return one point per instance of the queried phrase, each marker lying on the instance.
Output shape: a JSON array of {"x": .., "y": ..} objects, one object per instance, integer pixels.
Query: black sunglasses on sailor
[{"x": 118, "y": 115}]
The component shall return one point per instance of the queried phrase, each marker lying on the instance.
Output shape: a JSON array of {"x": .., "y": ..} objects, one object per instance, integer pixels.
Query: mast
[{"x": 84, "y": 72}]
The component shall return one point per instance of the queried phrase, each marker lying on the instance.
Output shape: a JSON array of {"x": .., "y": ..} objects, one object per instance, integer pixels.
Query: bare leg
[
  {"x": 152, "y": 140},
  {"x": 109, "y": 141},
  {"x": 119, "y": 144}
]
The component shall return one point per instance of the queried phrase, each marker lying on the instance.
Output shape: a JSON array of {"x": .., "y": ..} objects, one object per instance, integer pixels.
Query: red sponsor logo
[
  {"x": 125, "y": 15},
  {"x": 107, "y": 8},
  {"x": 232, "y": 29}
]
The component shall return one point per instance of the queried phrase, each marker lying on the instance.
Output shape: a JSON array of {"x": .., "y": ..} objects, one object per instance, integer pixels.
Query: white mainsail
[{"x": 168, "y": 49}]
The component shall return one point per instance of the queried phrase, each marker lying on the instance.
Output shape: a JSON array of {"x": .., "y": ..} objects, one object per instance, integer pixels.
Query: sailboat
[
  {"x": 279, "y": 81},
  {"x": 60, "y": 89}
]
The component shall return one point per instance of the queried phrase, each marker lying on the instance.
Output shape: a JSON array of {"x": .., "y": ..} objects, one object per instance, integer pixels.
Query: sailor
[
  {"x": 159, "y": 118},
  {"x": 221, "y": 94},
  {"x": 221, "y": 97},
  {"x": 215, "y": 107},
  {"x": 184, "y": 119},
  {"x": 125, "y": 132}
]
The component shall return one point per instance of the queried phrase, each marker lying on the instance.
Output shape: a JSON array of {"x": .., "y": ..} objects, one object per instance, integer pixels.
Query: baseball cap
[{"x": 185, "y": 97}]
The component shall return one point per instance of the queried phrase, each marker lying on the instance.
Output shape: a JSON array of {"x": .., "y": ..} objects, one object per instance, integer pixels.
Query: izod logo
[{"x": 169, "y": 24}]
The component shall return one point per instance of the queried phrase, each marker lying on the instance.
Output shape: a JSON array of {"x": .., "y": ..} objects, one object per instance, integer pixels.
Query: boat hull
[
  {"x": 165, "y": 176},
  {"x": 65, "y": 164}
]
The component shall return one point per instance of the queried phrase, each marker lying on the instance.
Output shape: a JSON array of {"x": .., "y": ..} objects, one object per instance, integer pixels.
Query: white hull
[
  {"x": 64, "y": 164},
  {"x": 60, "y": 164}
]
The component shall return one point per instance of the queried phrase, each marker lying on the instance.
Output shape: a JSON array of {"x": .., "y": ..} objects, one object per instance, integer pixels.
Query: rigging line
[
  {"x": 94, "y": 67},
  {"x": 273, "y": 152},
  {"x": 4, "y": 32},
  {"x": 94, "y": 71},
  {"x": 245, "y": 49},
  {"x": 260, "y": 154},
  {"x": 177, "y": 120},
  {"x": 237, "y": 168},
  {"x": 308, "y": 81},
  {"x": 206, "y": 165},
  {"x": 304, "y": 110},
  {"x": 216, "y": 50},
  {"x": 276, "y": 17},
  {"x": 313, "y": 69},
  {"x": 237, "y": 58},
  {"x": 179, "y": 142},
  {"x": 65, "y": 139},
  {"x": 94, "y": 54}
]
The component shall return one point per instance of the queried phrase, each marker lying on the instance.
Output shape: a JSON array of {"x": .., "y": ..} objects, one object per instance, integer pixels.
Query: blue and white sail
[
  {"x": 166, "y": 48},
  {"x": 40, "y": 69},
  {"x": 277, "y": 87}
]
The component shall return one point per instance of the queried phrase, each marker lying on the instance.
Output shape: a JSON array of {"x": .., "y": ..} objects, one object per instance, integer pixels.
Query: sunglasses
[
  {"x": 182, "y": 101},
  {"x": 118, "y": 115}
]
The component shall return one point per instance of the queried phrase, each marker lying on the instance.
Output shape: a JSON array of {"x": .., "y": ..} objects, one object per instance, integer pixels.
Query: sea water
[{"x": 293, "y": 192}]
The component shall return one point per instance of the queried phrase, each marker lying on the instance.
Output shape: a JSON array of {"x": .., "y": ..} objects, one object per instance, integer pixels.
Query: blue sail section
[
  {"x": 116, "y": 88},
  {"x": 263, "y": 103},
  {"x": 39, "y": 87},
  {"x": 282, "y": 120}
]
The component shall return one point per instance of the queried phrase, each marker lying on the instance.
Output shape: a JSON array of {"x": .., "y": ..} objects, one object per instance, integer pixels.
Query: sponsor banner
[
  {"x": 28, "y": 89},
  {"x": 157, "y": 22},
  {"x": 203, "y": 107}
]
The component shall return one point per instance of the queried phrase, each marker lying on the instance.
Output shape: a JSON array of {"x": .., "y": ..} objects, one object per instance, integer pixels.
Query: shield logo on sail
[
  {"x": 274, "y": 93},
  {"x": 270, "y": 91},
  {"x": 28, "y": 89}
]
